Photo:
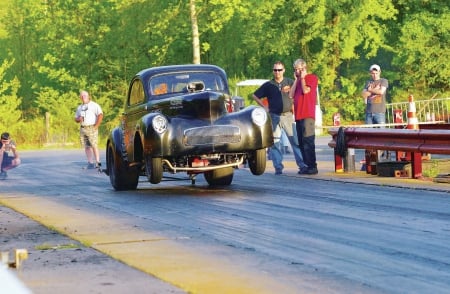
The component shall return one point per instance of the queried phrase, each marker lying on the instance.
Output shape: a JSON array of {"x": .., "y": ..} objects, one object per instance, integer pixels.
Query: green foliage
[
  {"x": 433, "y": 170},
  {"x": 347, "y": 102},
  {"x": 425, "y": 59},
  {"x": 11, "y": 115},
  {"x": 61, "y": 47}
]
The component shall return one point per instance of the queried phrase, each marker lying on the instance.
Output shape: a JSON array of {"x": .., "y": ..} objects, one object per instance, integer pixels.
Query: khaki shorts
[{"x": 89, "y": 136}]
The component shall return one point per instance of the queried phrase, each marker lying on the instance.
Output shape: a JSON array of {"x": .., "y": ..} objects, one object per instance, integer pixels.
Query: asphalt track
[{"x": 185, "y": 267}]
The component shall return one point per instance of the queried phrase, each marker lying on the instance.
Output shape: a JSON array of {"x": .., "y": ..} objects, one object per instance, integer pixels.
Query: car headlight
[
  {"x": 159, "y": 124},
  {"x": 259, "y": 116}
]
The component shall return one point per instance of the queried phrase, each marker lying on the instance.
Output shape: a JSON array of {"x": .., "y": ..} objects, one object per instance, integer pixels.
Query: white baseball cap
[{"x": 375, "y": 67}]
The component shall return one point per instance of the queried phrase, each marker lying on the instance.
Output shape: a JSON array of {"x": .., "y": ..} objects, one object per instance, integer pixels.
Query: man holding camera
[
  {"x": 89, "y": 115},
  {"x": 9, "y": 157}
]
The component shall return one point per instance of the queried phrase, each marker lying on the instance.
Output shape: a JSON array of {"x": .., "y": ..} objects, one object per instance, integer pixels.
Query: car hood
[{"x": 205, "y": 105}]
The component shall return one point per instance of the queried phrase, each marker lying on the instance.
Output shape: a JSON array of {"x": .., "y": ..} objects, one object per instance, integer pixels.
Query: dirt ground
[{"x": 58, "y": 264}]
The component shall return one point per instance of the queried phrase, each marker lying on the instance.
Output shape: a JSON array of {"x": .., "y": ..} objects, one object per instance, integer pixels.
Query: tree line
[{"x": 50, "y": 50}]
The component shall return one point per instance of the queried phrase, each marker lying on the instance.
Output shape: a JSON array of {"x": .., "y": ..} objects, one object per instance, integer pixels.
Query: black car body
[{"x": 180, "y": 118}]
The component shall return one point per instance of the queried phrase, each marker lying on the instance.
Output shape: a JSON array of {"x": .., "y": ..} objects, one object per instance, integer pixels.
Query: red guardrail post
[
  {"x": 338, "y": 163},
  {"x": 416, "y": 165}
]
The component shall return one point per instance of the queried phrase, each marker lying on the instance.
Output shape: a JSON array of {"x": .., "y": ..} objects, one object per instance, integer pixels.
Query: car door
[{"x": 135, "y": 109}]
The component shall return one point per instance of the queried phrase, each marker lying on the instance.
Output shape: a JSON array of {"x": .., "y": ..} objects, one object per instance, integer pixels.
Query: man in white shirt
[{"x": 89, "y": 115}]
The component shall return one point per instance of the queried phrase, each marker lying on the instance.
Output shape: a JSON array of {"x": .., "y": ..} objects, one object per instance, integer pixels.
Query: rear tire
[
  {"x": 220, "y": 177},
  {"x": 257, "y": 162},
  {"x": 121, "y": 176}
]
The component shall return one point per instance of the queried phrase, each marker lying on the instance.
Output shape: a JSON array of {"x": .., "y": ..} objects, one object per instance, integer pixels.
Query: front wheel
[
  {"x": 154, "y": 169},
  {"x": 219, "y": 177},
  {"x": 257, "y": 161},
  {"x": 120, "y": 175}
]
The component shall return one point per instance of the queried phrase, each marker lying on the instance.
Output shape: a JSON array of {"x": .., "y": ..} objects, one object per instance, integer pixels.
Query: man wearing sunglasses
[
  {"x": 279, "y": 106},
  {"x": 9, "y": 157}
]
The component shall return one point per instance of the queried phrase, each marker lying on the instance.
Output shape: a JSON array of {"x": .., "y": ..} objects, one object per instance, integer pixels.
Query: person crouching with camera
[{"x": 9, "y": 157}]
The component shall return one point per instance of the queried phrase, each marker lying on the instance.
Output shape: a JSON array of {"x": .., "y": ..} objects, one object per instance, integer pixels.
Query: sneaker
[
  {"x": 303, "y": 170},
  {"x": 312, "y": 171},
  {"x": 98, "y": 166},
  {"x": 278, "y": 172},
  {"x": 308, "y": 171},
  {"x": 90, "y": 166},
  {"x": 3, "y": 175}
]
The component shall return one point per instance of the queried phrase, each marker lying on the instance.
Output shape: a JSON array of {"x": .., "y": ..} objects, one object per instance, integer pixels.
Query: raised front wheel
[
  {"x": 257, "y": 162},
  {"x": 154, "y": 169}
]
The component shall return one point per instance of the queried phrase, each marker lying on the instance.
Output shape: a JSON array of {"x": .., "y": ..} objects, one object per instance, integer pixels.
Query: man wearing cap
[
  {"x": 89, "y": 115},
  {"x": 374, "y": 94},
  {"x": 9, "y": 157}
]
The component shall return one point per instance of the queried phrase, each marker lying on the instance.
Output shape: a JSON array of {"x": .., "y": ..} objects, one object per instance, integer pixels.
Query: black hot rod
[{"x": 181, "y": 118}]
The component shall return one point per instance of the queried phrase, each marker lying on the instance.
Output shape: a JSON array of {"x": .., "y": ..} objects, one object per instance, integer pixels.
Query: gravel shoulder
[{"x": 58, "y": 264}]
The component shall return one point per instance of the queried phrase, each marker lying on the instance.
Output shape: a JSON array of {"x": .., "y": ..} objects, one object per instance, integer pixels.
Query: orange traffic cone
[{"x": 413, "y": 123}]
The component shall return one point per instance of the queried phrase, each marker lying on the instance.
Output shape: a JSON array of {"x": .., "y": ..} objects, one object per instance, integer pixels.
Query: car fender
[
  {"x": 262, "y": 136},
  {"x": 116, "y": 140},
  {"x": 256, "y": 137},
  {"x": 152, "y": 141}
]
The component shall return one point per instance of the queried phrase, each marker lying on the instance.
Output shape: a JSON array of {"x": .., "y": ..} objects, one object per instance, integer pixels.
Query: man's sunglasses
[{"x": 277, "y": 69}]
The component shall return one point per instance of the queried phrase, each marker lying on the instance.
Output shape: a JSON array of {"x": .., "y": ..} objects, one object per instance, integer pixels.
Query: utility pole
[{"x": 195, "y": 36}]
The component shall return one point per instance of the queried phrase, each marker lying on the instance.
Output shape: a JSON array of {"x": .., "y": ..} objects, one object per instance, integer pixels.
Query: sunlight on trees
[{"x": 61, "y": 47}]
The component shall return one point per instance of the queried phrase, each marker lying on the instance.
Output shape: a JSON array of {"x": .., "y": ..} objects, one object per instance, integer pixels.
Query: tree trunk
[{"x": 195, "y": 36}]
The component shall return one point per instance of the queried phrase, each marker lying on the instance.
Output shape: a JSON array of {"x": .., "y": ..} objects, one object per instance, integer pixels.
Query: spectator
[
  {"x": 279, "y": 107},
  {"x": 304, "y": 93},
  {"x": 9, "y": 157},
  {"x": 90, "y": 115},
  {"x": 284, "y": 142},
  {"x": 374, "y": 94}
]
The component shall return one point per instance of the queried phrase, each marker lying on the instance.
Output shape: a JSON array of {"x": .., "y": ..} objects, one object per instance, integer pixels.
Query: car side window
[{"x": 137, "y": 94}]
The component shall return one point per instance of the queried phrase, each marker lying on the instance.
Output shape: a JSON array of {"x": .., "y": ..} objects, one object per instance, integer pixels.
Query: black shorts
[{"x": 7, "y": 160}]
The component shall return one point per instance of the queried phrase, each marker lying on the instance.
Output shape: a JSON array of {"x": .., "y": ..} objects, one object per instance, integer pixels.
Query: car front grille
[{"x": 219, "y": 134}]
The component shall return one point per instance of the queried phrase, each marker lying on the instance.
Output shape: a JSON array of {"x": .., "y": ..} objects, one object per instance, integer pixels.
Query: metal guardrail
[
  {"x": 414, "y": 142},
  {"x": 431, "y": 110}
]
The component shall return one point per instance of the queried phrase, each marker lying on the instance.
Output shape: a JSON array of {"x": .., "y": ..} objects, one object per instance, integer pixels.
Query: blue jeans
[
  {"x": 306, "y": 139},
  {"x": 375, "y": 118},
  {"x": 284, "y": 121}
]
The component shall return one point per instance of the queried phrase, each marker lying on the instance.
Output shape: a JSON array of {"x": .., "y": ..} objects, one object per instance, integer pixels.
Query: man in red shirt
[
  {"x": 304, "y": 93},
  {"x": 279, "y": 106}
]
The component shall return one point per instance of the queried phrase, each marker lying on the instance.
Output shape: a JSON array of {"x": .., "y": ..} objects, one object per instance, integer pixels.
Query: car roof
[{"x": 180, "y": 68}]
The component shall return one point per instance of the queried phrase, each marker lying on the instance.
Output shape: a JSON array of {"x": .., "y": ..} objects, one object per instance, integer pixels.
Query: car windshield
[{"x": 185, "y": 82}]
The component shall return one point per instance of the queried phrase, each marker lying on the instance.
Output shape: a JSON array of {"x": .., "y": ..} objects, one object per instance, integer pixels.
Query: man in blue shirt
[{"x": 279, "y": 106}]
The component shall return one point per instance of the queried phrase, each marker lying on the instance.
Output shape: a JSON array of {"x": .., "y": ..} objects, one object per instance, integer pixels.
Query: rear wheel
[
  {"x": 121, "y": 177},
  {"x": 219, "y": 177},
  {"x": 257, "y": 162},
  {"x": 154, "y": 169}
]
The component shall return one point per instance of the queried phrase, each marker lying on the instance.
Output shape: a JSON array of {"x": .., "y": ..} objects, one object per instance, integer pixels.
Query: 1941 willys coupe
[{"x": 180, "y": 118}]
